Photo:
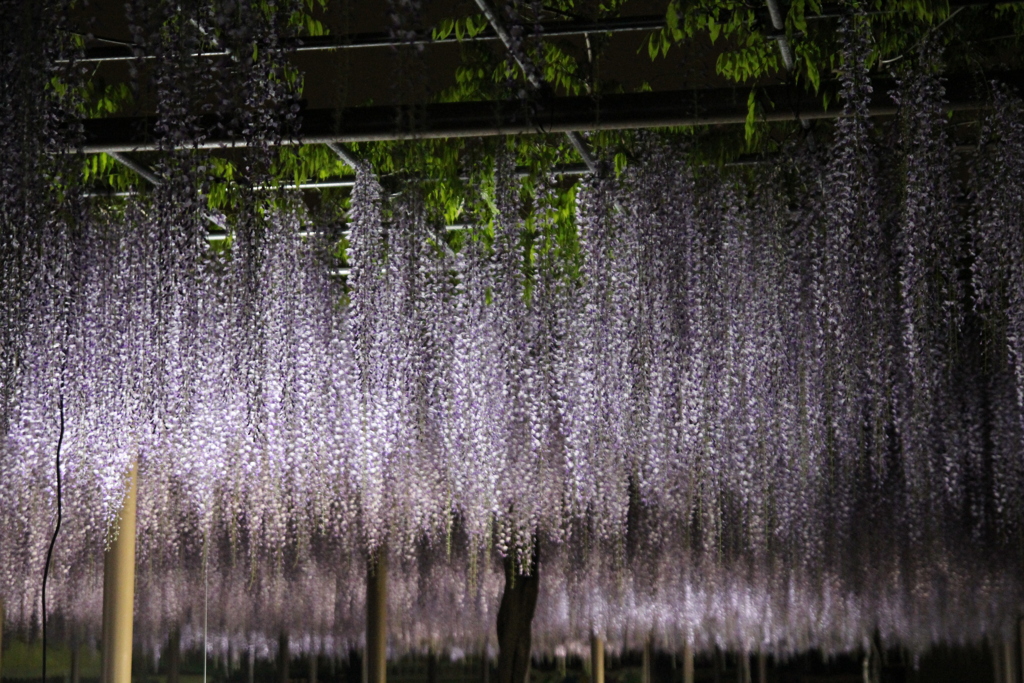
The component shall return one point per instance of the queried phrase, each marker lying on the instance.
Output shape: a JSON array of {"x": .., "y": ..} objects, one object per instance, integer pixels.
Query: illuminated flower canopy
[{"x": 775, "y": 407}]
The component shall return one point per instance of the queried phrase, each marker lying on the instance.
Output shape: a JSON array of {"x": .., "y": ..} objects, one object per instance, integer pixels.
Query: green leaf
[
  {"x": 444, "y": 29},
  {"x": 714, "y": 29},
  {"x": 652, "y": 46},
  {"x": 812, "y": 73},
  {"x": 672, "y": 17},
  {"x": 620, "y": 163},
  {"x": 750, "y": 125}
]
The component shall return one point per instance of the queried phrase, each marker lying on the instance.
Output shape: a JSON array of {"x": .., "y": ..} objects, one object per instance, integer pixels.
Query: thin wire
[{"x": 56, "y": 530}]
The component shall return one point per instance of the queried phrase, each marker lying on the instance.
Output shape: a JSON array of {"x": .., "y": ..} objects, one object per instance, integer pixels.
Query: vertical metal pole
[
  {"x": 1010, "y": 660},
  {"x": 645, "y": 670},
  {"x": 252, "y": 665},
  {"x": 76, "y": 662},
  {"x": 687, "y": 662},
  {"x": 596, "y": 659},
  {"x": 119, "y": 593},
  {"x": 377, "y": 619},
  {"x": 1020, "y": 645},
  {"x": 743, "y": 667}
]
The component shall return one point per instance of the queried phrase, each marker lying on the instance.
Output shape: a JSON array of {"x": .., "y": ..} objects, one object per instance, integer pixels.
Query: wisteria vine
[{"x": 771, "y": 409}]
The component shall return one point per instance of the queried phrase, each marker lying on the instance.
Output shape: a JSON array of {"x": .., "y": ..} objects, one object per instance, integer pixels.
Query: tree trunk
[
  {"x": 645, "y": 667},
  {"x": 515, "y": 617},
  {"x": 174, "y": 656},
  {"x": 432, "y": 667},
  {"x": 283, "y": 675},
  {"x": 376, "y": 653}
]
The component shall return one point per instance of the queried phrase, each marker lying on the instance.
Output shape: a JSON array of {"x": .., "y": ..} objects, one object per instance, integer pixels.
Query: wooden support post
[
  {"x": 645, "y": 667},
  {"x": 283, "y": 675},
  {"x": 596, "y": 659},
  {"x": 377, "y": 619},
  {"x": 119, "y": 593},
  {"x": 687, "y": 662},
  {"x": 174, "y": 656}
]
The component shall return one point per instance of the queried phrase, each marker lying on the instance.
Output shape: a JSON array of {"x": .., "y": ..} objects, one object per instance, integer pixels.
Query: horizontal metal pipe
[
  {"x": 123, "y": 51},
  {"x": 329, "y": 43},
  {"x": 348, "y": 182},
  {"x": 707, "y": 107}
]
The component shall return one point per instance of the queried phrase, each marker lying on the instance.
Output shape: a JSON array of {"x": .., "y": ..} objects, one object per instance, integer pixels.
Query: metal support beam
[
  {"x": 146, "y": 174},
  {"x": 377, "y": 619},
  {"x": 132, "y": 165},
  {"x": 785, "y": 49},
  {"x": 677, "y": 108},
  {"x": 779, "y": 24},
  {"x": 346, "y": 155},
  {"x": 577, "y": 141},
  {"x": 119, "y": 592},
  {"x": 123, "y": 51},
  {"x": 596, "y": 659}
]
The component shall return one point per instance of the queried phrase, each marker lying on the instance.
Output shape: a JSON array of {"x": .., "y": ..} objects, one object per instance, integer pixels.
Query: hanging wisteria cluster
[{"x": 772, "y": 409}]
